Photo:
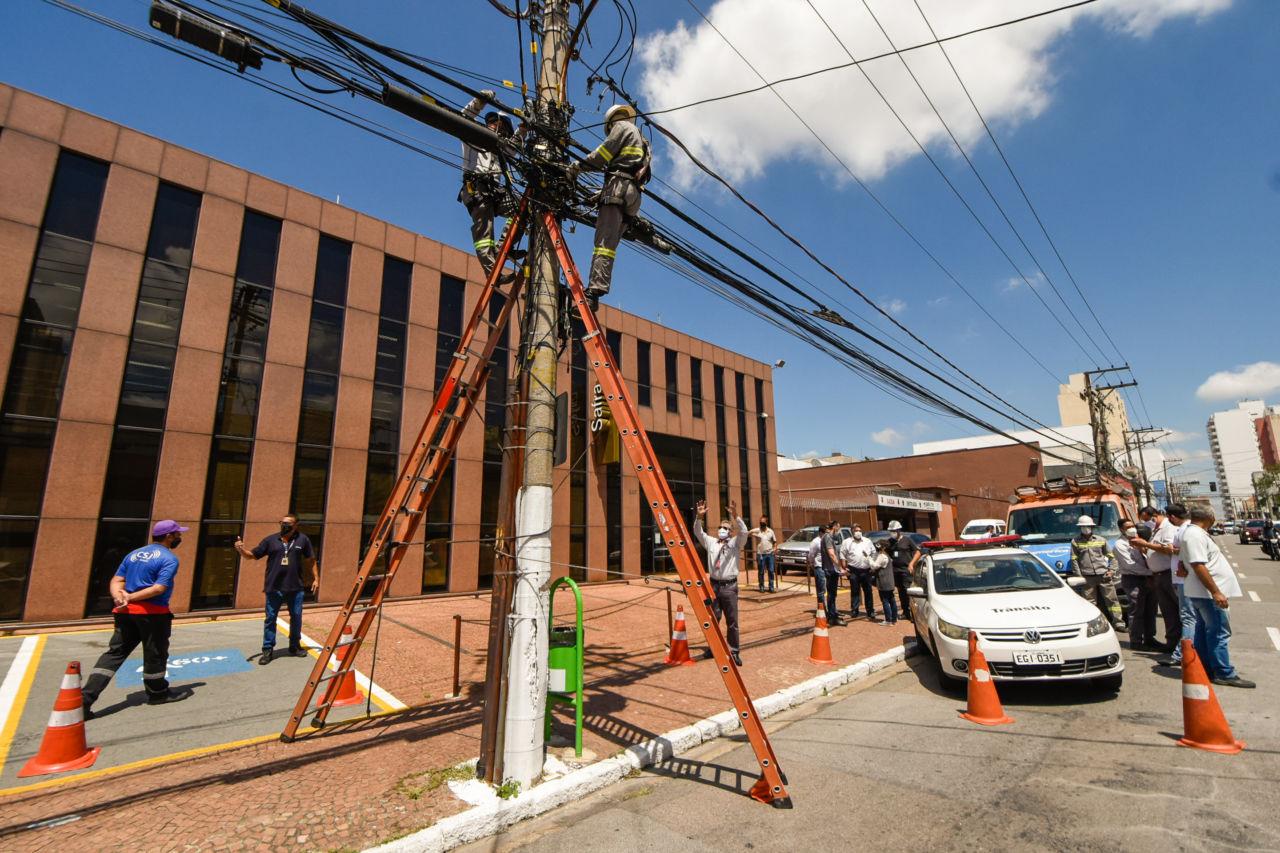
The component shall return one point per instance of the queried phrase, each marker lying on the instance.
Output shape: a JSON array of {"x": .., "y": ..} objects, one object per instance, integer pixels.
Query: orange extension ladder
[{"x": 436, "y": 443}]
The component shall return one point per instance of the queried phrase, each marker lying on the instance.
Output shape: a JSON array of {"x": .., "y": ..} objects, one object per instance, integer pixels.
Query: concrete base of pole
[{"x": 524, "y": 750}]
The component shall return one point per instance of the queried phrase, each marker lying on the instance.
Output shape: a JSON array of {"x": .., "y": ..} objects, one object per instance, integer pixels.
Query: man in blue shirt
[
  {"x": 141, "y": 590},
  {"x": 287, "y": 553}
]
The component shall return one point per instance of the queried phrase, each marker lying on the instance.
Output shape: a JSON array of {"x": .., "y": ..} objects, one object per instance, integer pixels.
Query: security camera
[{"x": 780, "y": 363}]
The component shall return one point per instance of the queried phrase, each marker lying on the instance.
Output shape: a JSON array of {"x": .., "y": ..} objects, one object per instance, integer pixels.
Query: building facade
[
  {"x": 1113, "y": 414},
  {"x": 934, "y": 494},
  {"x": 1233, "y": 441},
  {"x": 180, "y": 338}
]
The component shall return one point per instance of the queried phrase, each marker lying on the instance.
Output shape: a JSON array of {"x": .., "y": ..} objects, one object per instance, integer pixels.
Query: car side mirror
[
  {"x": 915, "y": 591},
  {"x": 1075, "y": 583}
]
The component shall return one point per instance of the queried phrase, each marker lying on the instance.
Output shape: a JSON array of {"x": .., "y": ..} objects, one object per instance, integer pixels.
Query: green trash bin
[{"x": 564, "y": 657}]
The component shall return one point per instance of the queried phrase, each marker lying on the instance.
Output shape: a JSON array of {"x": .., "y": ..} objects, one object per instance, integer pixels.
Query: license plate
[{"x": 1036, "y": 658}]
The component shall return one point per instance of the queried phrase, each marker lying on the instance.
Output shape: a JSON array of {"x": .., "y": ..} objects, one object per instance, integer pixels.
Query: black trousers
[
  {"x": 1165, "y": 597},
  {"x": 1140, "y": 590},
  {"x": 902, "y": 580},
  {"x": 152, "y": 630},
  {"x": 725, "y": 601},
  {"x": 860, "y": 589}
]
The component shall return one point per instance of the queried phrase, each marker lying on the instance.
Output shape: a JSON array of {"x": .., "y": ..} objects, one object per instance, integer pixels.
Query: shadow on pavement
[{"x": 139, "y": 698}]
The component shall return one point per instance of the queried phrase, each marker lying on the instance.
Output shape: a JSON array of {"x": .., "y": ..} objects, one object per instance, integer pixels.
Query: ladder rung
[
  {"x": 408, "y": 511},
  {"x": 365, "y": 607},
  {"x": 328, "y": 676},
  {"x": 317, "y": 708},
  {"x": 372, "y": 578}
]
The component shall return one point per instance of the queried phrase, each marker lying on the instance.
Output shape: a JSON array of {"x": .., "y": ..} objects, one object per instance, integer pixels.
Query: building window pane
[
  {"x": 173, "y": 227},
  {"x": 115, "y": 540},
  {"x": 643, "y": 378},
  {"x": 37, "y": 370},
  {"x": 259, "y": 246},
  {"x": 490, "y": 508},
  {"x": 333, "y": 261},
  {"x": 319, "y": 402},
  {"x": 160, "y": 303},
  {"x": 310, "y": 474},
  {"x": 76, "y": 197},
  {"x": 247, "y": 324},
  {"x": 396, "y": 277},
  {"x": 379, "y": 479},
  {"x": 131, "y": 474},
  {"x": 24, "y": 463},
  {"x": 614, "y": 338},
  {"x": 238, "y": 400},
  {"x": 389, "y": 367},
  {"x": 57, "y": 281},
  {"x": 144, "y": 393},
  {"x": 215, "y": 583},
  {"x": 673, "y": 380},
  {"x": 384, "y": 424},
  {"x": 324, "y": 343},
  {"x": 17, "y": 541},
  {"x": 695, "y": 385},
  {"x": 228, "y": 479}
]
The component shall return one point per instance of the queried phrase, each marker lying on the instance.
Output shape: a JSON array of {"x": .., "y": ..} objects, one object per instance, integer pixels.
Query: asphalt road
[{"x": 889, "y": 765}]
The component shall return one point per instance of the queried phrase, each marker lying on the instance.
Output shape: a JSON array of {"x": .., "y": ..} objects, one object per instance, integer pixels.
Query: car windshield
[
  {"x": 998, "y": 573},
  {"x": 1058, "y": 523},
  {"x": 977, "y": 529},
  {"x": 804, "y": 534}
]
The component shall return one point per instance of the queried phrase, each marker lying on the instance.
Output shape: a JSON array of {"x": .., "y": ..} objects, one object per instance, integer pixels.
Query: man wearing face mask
[
  {"x": 1137, "y": 584},
  {"x": 723, "y": 552},
  {"x": 856, "y": 553},
  {"x": 287, "y": 553},
  {"x": 141, "y": 589},
  {"x": 904, "y": 553},
  {"x": 1093, "y": 560}
]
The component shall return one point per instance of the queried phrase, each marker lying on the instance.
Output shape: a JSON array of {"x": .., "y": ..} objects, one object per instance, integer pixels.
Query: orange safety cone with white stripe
[
  {"x": 1203, "y": 724},
  {"x": 820, "y": 648},
  {"x": 64, "y": 746},
  {"x": 984, "y": 702},
  {"x": 678, "y": 654},
  {"x": 346, "y": 686}
]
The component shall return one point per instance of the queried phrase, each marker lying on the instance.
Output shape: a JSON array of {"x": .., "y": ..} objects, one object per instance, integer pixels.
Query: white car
[
  {"x": 1031, "y": 624},
  {"x": 977, "y": 529}
]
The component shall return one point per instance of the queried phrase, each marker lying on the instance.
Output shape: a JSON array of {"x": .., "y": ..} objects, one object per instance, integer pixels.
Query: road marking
[
  {"x": 381, "y": 697},
  {"x": 1254, "y": 596},
  {"x": 16, "y": 687},
  {"x": 1275, "y": 637}
]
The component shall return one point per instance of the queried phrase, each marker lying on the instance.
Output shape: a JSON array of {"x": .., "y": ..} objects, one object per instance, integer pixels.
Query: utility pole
[
  {"x": 523, "y": 746},
  {"x": 1140, "y": 441},
  {"x": 1095, "y": 396}
]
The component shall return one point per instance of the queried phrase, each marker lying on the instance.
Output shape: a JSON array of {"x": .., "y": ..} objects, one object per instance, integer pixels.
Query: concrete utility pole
[{"x": 523, "y": 746}]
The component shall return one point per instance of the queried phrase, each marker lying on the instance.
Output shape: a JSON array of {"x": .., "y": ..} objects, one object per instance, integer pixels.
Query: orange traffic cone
[
  {"x": 1203, "y": 724},
  {"x": 346, "y": 685},
  {"x": 984, "y": 702},
  {"x": 64, "y": 746},
  {"x": 820, "y": 648},
  {"x": 678, "y": 654}
]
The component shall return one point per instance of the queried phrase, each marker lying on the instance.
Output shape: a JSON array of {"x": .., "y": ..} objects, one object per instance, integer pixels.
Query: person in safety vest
[
  {"x": 484, "y": 192},
  {"x": 1093, "y": 559},
  {"x": 624, "y": 159}
]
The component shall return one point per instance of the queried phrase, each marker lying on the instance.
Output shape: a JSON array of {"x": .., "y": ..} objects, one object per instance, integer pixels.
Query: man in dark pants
[
  {"x": 287, "y": 553},
  {"x": 903, "y": 554},
  {"x": 1159, "y": 553},
  {"x": 141, "y": 589},
  {"x": 827, "y": 576},
  {"x": 724, "y": 552}
]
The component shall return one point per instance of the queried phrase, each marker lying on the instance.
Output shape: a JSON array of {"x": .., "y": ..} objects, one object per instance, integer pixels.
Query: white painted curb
[{"x": 485, "y": 820}]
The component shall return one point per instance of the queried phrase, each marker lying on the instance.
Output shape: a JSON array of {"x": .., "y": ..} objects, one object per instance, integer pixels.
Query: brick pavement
[{"x": 360, "y": 784}]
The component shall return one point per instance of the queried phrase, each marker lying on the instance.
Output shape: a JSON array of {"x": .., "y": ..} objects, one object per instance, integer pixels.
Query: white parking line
[
  {"x": 14, "y": 689},
  {"x": 1275, "y": 637},
  {"x": 1253, "y": 596}
]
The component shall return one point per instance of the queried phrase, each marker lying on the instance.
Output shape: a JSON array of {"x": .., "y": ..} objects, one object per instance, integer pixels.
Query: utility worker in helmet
[
  {"x": 1093, "y": 560},
  {"x": 483, "y": 192},
  {"x": 624, "y": 159}
]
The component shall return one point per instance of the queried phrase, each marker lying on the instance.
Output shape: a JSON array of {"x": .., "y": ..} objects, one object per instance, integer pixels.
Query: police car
[{"x": 1031, "y": 623}]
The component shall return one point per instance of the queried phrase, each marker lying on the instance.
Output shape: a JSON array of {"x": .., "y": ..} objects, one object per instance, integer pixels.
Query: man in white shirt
[
  {"x": 1135, "y": 584},
  {"x": 1209, "y": 586},
  {"x": 1167, "y": 540},
  {"x": 723, "y": 552},
  {"x": 856, "y": 553},
  {"x": 766, "y": 539},
  {"x": 1163, "y": 595}
]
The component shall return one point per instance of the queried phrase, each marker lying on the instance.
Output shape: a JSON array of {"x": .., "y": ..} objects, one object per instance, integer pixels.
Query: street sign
[{"x": 187, "y": 666}]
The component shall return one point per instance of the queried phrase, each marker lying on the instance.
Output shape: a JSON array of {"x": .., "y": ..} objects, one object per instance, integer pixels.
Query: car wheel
[
  {"x": 948, "y": 682},
  {"x": 1109, "y": 683}
]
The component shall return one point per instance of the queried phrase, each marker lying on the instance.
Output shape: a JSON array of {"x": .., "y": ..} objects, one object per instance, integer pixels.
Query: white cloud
[
  {"x": 1010, "y": 71},
  {"x": 1177, "y": 436},
  {"x": 1036, "y": 280},
  {"x": 888, "y": 437},
  {"x": 894, "y": 306},
  {"x": 940, "y": 302},
  {"x": 1255, "y": 380}
]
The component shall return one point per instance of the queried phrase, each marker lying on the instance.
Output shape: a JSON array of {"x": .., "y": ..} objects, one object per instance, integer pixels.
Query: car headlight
[
  {"x": 1097, "y": 626},
  {"x": 955, "y": 632}
]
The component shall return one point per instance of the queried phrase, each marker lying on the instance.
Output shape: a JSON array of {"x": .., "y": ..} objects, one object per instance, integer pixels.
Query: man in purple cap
[{"x": 141, "y": 589}]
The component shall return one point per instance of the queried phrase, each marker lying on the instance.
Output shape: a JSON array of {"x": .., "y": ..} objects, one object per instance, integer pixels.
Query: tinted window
[
  {"x": 76, "y": 197},
  {"x": 319, "y": 402},
  {"x": 643, "y": 378},
  {"x": 37, "y": 370},
  {"x": 259, "y": 244},
  {"x": 238, "y": 400},
  {"x": 333, "y": 259},
  {"x": 173, "y": 227},
  {"x": 396, "y": 275},
  {"x": 24, "y": 460},
  {"x": 131, "y": 474}
]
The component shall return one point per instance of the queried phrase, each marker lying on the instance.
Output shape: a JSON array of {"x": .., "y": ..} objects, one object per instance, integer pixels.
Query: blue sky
[{"x": 1146, "y": 139}]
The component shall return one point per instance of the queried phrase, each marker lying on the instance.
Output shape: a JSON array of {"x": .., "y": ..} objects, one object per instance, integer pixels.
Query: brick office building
[{"x": 181, "y": 338}]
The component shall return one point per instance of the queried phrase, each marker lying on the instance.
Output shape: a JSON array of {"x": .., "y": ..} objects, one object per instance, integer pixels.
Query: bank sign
[{"x": 908, "y": 503}]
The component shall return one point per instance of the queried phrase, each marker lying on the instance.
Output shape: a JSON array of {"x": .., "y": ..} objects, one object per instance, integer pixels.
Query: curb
[{"x": 489, "y": 819}]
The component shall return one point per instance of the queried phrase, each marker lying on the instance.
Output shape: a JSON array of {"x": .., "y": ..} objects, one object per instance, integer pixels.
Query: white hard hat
[
  {"x": 1085, "y": 521},
  {"x": 619, "y": 112},
  {"x": 895, "y": 525}
]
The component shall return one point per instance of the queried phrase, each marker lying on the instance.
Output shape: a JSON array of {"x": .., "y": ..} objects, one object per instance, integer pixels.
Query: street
[{"x": 889, "y": 765}]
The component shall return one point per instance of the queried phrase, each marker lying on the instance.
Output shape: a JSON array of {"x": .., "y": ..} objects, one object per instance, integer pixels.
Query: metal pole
[
  {"x": 457, "y": 655},
  {"x": 671, "y": 622},
  {"x": 524, "y": 748}
]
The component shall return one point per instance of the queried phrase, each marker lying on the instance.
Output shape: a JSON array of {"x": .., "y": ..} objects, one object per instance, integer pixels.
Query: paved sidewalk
[{"x": 372, "y": 780}]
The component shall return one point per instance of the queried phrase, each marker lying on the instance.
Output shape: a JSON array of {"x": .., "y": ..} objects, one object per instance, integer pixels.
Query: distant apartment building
[
  {"x": 1268, "y": 429},
  {"x": 1233, "y": 441}
]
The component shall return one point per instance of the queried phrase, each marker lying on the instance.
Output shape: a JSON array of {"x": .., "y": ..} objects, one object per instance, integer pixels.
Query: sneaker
[
  {"x": 1120, "y": 629},
  {"x": 169, "y": 696},
  {"x": 707, "y": 654},
  {"x": 297, "y": 653},
  {"x": 266, "y": 657},
  {"x": 737, "y": 660},
  {"x": 1168, "y": 661},
  {"x": 88, "y": 713},
  {"x": 1234, "y": 681}
]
